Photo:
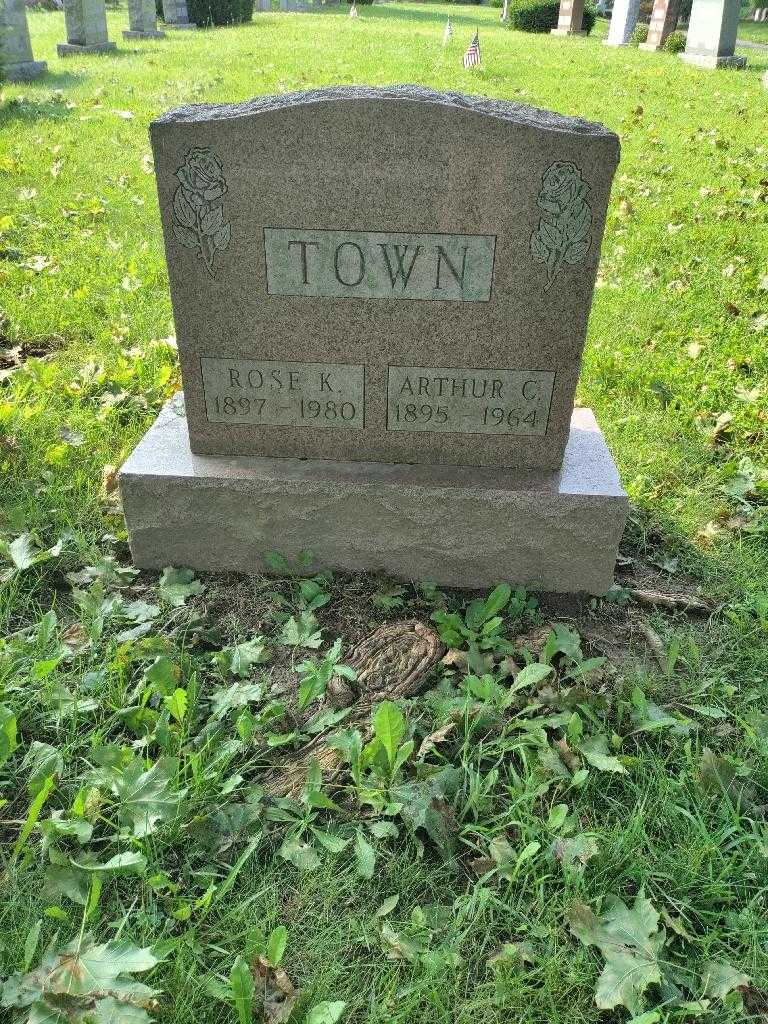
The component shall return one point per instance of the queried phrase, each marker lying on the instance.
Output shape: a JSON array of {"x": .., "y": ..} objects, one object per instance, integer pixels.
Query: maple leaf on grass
[
  {"x": 630, "y": 941},
  {"x": 146, "y": 797},
  {"x": 86, "y": 981}
]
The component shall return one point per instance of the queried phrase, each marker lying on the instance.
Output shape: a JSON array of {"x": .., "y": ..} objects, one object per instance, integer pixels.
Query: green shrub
[
  {"x": 541, "y": 15},
  {"x": 675, "y": 42},
  {"x": 219, "y": 12},
  {"x": 590, "y": 16},
  {"x": 639, "y": 34}
]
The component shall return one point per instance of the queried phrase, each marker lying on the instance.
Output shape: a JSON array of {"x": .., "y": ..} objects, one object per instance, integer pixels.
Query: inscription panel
[
  {"x": 379, "y": 265},
  {"x": 283, "y": 393},
  {"x": 468, "y": 401}
]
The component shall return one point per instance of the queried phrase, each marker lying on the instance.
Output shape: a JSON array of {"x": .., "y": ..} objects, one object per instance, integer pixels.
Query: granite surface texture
[
  {"x": 463, "y": 527},
  {"x": 383, "y": 227}
]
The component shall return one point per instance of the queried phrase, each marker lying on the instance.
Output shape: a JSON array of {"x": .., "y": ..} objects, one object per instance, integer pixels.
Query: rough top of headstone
[{"x": 505, "y": 110}]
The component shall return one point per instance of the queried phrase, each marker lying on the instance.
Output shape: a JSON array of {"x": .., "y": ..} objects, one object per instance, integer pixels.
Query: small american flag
[
  {"x": 472, "y": 56},
  {"x": 353, "y": 11},
  {"x": 448, "y": 34}
]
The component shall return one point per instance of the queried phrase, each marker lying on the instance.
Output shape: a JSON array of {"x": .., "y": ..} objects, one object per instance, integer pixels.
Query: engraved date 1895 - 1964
[{"x": 469, "y": 401}]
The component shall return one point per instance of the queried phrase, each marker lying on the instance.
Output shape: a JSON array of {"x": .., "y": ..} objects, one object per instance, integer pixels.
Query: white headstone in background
[
  {"x": 712, "y": 34},
  {"x": 623, "y": 21},
  {"x": 15, "y": 47}
]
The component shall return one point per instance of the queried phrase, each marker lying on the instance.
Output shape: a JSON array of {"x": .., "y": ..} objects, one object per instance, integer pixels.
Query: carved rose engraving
[
  {"x": 564, "y": 231},
  {"x": 197, "y": 223}
]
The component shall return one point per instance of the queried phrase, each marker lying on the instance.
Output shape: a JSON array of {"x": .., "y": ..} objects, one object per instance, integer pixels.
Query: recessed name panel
[
  {"x": 379, "y": 265},
  {"x": 468, "y": 401},
  {"x": 274, "y": 393}
]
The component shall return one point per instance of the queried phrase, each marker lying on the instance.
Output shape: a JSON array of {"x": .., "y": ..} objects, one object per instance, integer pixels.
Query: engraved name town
[{"x": 379, "y": 265}]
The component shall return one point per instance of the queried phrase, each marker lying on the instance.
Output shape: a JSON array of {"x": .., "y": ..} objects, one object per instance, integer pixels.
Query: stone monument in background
[
  {"x": 142, "y": 21},
  {"x": 176, "y": 15},
  {"x": 623, "y": 21},
  {"x": 86, "y": 24},
  {"x": 712, "y": 28},
  {"x": 663, "y": 21},
  {"x": 570, "y": 18},
  {"x": 15, "y": 46},
  {"x": 383, "y": 375}
]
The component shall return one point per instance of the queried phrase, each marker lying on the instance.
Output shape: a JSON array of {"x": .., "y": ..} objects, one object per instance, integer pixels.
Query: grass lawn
[
  {"x": 756, "y": 31},
  {"x": 579, "y": 755}
]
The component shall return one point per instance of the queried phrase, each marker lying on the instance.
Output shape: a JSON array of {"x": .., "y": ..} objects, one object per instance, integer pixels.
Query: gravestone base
[
  {"x": 26, "y": 70},
  {"x": 76, "y": 50},
  {"x": 456, "y": 526},
  {"x": 129, "y": 34},
  {"x": 567, "y": 32},
  {"x": 651, "y": 47},
  {"x": 180, "y": 26},
  {"x": 707, "y": 60}
]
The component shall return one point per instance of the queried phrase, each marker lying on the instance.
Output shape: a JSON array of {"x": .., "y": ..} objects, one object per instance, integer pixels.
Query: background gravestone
[
  {"x": 663, "y": 21},
  {"x": 570, "y": 18},
  {"x": 15, "y": 45},
  {"x": 711, "y": 39},
  {"x": 365, "y": 365},
  {"x": 440, "y": 306},
  {"x": 86, "y": 24},
  {"x": 623, "y": 21},
  {"x": 142, "y": 20},
  {"x": 176, "y": 15}
]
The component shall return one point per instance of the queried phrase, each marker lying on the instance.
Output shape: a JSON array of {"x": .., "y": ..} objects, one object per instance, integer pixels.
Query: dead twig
[{"x": 675, "y": 602}]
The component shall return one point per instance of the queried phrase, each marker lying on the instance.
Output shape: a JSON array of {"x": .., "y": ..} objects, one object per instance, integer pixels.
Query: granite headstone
[
  {"x": 410, "y": 282},
  {"x": 711, "y": 37},
  {"x": 15, "y": 46},
  {"x": 381, "y": 298},
  {"x": 86, "y": 25}
]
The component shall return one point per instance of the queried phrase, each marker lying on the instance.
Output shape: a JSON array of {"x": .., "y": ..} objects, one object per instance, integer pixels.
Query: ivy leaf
[
  {"x": 146, "y": 797},
  {"x": 300, "y": 854},
  {"x": 595, "y": 752},
  {"x": 85, "y": 969},
  {"x": 720, "y": 979},
  {"x": 244, "y": 656},
  {"x": 176, "y": 585},
  {"x": 626, "y": 976},
  {"x": 301, "y": 632},
  {"x": 325, "y": 1013}
]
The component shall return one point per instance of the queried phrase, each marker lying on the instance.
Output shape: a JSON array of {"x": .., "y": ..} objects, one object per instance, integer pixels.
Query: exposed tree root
[{"x": 391, "y": 663}]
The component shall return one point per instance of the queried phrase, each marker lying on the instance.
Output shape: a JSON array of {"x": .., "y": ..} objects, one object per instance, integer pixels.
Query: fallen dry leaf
[
  {"x": 276, "y": 989},
  {"x": 431, "y": 741}
]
